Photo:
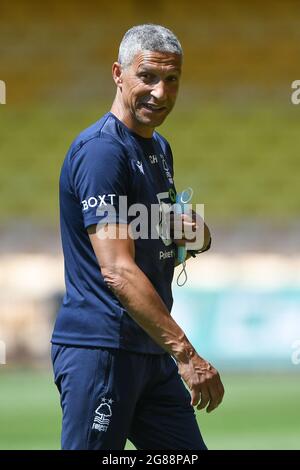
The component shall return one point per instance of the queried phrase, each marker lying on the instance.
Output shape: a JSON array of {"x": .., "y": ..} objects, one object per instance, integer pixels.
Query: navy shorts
[{"x": 110, "y": 395}]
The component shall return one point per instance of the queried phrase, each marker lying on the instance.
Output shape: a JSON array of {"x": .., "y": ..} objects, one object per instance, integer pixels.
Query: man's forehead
[{"x": 149, "y": 59}]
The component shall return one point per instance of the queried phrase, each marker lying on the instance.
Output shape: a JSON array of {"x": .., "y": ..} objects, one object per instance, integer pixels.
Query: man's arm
[{"x": 138, "y": 296}]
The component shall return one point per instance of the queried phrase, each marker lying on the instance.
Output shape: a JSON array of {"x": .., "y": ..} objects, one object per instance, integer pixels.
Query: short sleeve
[{"x": 99, "y": 175}]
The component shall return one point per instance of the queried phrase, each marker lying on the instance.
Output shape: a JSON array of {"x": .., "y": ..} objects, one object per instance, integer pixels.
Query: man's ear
[{"x": 117, "y": 73}]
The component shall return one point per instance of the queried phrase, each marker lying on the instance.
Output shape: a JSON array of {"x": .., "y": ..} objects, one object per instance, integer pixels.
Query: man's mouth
[{"x": 153, "y": 108}]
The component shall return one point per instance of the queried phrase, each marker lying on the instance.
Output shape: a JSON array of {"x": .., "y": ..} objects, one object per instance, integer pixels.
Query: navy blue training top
[{"x": 106, "y": 161}]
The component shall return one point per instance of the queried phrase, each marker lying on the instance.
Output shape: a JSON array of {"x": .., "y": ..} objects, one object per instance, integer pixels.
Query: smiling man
[
  {"x": 118, "y": 356},
  {"x": 146, "y": 89}
]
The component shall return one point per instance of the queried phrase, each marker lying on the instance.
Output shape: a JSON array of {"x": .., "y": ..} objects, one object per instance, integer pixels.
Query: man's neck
[{"x": 125, "y": 117}]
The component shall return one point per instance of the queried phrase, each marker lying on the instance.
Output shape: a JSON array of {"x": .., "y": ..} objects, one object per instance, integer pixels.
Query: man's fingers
[
  {"x": 195, "y": 396},
  {"x": 221, "y": 390},
  {"x": 212, "y": 406},
  {"x": 205, "y": 398},
  {"x": 216, "y": 392},
  {"x": 214, "y": 403},
  {"x": 205, "y": 385}
]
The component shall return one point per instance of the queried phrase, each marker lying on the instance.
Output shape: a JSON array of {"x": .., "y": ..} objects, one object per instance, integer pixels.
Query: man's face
[{"x": 149, "y": 89}]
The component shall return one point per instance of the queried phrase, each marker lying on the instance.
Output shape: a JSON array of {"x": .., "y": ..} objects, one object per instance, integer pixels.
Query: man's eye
[
  {"x": 172, "y": 79},
  {"x": 146, "y": 76}
]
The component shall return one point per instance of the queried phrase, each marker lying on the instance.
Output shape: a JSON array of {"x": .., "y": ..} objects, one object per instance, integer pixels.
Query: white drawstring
[{"x": 185, "y": 273}]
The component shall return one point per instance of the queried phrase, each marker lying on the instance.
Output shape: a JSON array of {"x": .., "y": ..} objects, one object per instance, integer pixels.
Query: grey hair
[{"x": 147, "y": 37}]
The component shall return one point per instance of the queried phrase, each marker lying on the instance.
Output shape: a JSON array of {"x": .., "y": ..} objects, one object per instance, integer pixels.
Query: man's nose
[{"x": 159, "y": 90}]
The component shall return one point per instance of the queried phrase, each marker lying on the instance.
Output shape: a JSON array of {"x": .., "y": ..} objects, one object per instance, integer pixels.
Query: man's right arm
[{"x": 142, "y": 302}]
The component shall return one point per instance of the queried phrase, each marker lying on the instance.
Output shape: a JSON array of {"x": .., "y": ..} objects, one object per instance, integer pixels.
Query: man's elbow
[{"x": 115, "y": 276}]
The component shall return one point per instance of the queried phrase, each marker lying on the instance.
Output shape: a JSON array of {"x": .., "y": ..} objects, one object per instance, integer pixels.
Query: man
[{"x": 118, "y": 355}]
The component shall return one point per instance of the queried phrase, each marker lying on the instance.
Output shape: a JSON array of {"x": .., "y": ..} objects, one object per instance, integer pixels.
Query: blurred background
[{"x": 235, "y": 139}]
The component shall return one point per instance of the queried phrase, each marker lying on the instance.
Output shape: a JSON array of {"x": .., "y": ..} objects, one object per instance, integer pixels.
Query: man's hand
[
  {"x": 203, "y": 381},
  {"x": 188, "y": 225},
  {"x": 191, "y": 224}
]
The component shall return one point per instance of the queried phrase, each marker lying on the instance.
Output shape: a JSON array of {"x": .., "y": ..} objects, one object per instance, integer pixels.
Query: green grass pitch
[{"x": 259, "y": 412}]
